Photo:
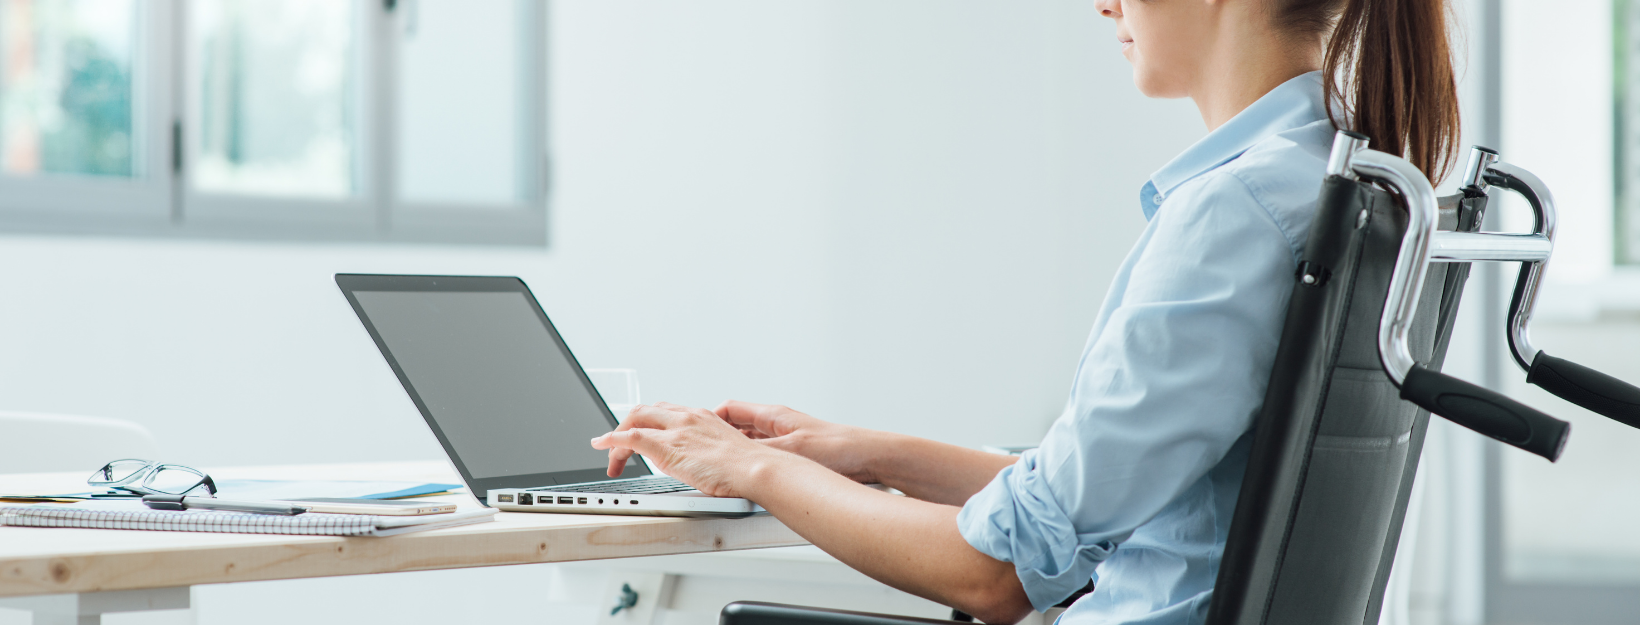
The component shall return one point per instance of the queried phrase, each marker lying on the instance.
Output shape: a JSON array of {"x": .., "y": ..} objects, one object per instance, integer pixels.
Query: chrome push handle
[
  {"x": 1524, "y": 302},
  {"x": 1486, "y": 412},
  {"x": 1468, "y": 247},
  {"x": 1593, "y": 390}
]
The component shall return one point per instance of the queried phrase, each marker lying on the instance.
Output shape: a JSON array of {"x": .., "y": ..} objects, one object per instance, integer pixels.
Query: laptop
[{"x": 507, "y": 400}]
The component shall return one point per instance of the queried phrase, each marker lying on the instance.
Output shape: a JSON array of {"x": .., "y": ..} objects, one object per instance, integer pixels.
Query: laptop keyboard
[{"x": 641, "y": 486}]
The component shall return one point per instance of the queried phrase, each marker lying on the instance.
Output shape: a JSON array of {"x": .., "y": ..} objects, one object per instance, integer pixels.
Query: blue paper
[{"x": 302, "y": 489}]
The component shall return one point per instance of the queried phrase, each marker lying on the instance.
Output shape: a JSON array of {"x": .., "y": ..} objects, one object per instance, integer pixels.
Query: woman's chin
[{"x": 1154, "y": 86}]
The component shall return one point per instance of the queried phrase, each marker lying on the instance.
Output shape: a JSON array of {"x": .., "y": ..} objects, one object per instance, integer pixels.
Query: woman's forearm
[
  {"x": 931, "y": 470},
  {"x": 908, "y": 544},
  {"x": 918, "y": 467}
]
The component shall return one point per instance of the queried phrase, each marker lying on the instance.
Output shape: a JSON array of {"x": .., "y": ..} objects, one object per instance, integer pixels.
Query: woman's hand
[
  {"x": 691, "y": 444},
  {"x": 841, "y": 448}
]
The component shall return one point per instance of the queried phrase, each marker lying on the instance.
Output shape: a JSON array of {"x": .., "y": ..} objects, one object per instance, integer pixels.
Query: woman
[{"x": 1139, "y": 477}]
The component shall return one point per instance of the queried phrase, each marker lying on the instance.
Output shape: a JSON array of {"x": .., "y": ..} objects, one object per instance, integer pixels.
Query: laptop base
[{"x": 685, "y": 504}]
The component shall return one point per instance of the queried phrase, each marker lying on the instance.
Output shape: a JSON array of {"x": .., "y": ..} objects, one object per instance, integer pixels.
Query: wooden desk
[{"x": 49, "y": 561}]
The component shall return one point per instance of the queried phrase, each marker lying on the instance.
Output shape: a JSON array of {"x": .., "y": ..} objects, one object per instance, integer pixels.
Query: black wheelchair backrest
[{"x": 1337, "y": 442}]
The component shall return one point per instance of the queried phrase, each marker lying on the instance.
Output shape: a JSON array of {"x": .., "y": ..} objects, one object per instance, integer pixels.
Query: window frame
[
  {"x": 1626, "y": 113},
  {"x": 160, "y": 200}
]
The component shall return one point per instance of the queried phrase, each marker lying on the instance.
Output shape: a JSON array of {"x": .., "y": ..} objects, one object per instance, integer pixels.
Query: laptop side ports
[
  {"x": 525, "y": 499},
  {"x": 504, "y": 498},
  {"x": 566, "y": 500}
]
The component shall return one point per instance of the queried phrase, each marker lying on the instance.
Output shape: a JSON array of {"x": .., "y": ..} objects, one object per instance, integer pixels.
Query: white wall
[{"x": 902, "y": 215}]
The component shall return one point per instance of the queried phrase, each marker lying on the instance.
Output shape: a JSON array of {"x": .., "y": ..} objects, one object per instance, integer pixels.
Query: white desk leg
[{"x": 87, "y": 608}]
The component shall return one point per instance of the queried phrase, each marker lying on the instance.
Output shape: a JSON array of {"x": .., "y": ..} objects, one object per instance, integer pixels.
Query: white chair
[{"x": 33, "y": 442}]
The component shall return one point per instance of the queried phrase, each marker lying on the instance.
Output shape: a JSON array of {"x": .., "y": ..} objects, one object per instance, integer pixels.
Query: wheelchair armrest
[{"x": 759, "y": 613}]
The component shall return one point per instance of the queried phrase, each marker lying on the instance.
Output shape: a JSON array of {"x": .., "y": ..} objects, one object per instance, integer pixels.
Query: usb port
[
  {"x": 566, "y": 500},
  {"x": 525, "y": 499},
  {"x": 504, "y": 498},
  {"x": 580, "y": 500}
]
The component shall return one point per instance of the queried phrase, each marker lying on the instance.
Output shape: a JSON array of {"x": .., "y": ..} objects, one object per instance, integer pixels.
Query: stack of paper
[{"x": 133, "y": 515}]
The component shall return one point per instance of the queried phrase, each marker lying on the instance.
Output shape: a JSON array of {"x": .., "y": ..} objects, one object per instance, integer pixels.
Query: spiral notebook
[{"x": 133, "y": 515}]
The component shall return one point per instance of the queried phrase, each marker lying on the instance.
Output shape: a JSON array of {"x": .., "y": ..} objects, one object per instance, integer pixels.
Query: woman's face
[{"x": 1165, "y": 40}]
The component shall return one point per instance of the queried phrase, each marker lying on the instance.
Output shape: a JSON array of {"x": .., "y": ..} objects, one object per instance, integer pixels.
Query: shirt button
[{"x": 1158, "y": 199}]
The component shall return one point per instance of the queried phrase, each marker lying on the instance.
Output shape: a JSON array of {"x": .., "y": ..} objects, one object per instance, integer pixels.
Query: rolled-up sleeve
[{"x": 1171, "y": 378}]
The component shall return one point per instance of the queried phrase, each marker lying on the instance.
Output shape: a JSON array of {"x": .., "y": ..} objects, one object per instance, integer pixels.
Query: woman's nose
[{"x": 1109, "y": 8}]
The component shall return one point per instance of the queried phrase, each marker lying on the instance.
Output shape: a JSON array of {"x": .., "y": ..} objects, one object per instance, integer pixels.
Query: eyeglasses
[{"x": 146, "y": 477}]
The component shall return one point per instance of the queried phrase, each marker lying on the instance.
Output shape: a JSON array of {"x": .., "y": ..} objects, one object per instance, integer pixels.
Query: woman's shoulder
[
  {"x": 1285, "y": 170},
  {"x": 1282, "y": 174}
]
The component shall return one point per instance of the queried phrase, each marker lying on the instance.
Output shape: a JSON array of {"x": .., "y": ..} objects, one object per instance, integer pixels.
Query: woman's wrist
[
  {"x": 929, "y": 470},
  {"x": 879, "y": 452},
  {"x": 761, "y": 467}
]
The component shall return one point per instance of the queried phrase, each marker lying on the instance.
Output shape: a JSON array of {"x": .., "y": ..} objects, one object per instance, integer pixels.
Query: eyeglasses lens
[
  {"x": 118, "y": 471},
  {"x": 172, "y": 479}
]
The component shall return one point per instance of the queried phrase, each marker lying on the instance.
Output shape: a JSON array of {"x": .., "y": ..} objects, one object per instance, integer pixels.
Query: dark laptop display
[{"x": 491, "y": 375}]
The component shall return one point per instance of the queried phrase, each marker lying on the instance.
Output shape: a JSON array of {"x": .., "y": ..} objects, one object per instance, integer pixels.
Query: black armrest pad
[{"x": 758, "y": 613}]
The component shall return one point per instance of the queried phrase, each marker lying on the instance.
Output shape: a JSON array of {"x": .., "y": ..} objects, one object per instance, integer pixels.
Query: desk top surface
[{"x": 36, "y": 561}]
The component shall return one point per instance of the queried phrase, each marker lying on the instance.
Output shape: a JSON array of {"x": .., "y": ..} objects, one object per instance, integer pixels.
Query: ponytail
[{"x": 1389, "y": 65}]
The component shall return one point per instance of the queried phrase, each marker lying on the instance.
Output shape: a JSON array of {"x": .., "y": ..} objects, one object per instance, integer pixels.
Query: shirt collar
[{"x": 1294, "y": 103}]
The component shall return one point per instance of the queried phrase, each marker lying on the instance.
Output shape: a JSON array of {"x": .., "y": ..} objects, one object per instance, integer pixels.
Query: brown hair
[{"x": 1390, "y": 65}]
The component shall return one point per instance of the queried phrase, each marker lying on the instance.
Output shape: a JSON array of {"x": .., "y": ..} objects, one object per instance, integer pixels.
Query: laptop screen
[{"x": 491, "y": 376}]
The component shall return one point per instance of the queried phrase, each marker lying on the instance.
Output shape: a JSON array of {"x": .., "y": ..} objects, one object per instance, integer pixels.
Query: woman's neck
[{"x": 1236, "y": 76}]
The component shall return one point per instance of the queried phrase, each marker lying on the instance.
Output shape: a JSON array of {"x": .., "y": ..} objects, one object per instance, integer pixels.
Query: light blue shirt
[{"x": 1135, "y": 484}]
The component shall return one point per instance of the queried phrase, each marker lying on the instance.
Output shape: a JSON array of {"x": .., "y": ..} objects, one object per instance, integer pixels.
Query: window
[
  {"x": 67, "y": 86},
  {"x": 83, "y": 126},
  {"x": 271, "y": 92},
  {"x": 361, "y": 120}
]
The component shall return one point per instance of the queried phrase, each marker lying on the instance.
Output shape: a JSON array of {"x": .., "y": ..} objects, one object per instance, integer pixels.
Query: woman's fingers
[
  {"x": 782, "y": 443},
  {"x": 641, "y": 417},
  {"x": 618, "y": 454},
  {"x": 622, "y": 444},
  {"x": 641, "y": 426},
  {"x": 764, "y": 418},
  {"x": 617, "y": 461},
  {"x": 645, "y": 422},
  {"x": 738, "y": 413},
  {"x": 699, "y": 412},
  {"x": 691, "y": 444},
  {"x": 634, "y": 440},
  {"x": 646, "y": 416}
]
